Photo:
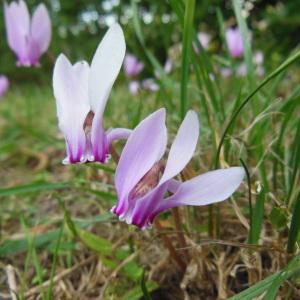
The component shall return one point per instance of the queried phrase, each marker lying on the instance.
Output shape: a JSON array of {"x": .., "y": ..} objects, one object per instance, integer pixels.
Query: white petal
[
  {"x": 183, "y": 146},
  {"x": 211, "y": 187},
  {"x": 17, "y": 23},
  {"x": 145, "y": 146},
  {"x": 70, "y": 84},
  {"x": 41, "y": 28},
  {"x": 105, "y": 66}
]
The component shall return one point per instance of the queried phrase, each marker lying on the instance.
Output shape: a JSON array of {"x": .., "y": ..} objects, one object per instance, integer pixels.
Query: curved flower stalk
[
  {"x": 234, "y": 42},
  {"x": 143, "y": 180},
  {"x": 81, "y": 93},
  {"x": 4, "y": 85},
  {"x": 28, "y": 38}
]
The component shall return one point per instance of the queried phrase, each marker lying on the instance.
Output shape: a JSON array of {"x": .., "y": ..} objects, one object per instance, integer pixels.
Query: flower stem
[
  {"x": 180, "y": 234},
  {"x": 168, "y": 244},
  {"x": 114, "y": 154}
]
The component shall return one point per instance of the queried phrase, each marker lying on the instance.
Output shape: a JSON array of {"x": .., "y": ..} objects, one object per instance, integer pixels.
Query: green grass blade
[
  {"x": 257, "y": 218},
  {"x": 186, "y": 52},
  {"x": 292, "y": 269},
  {"x": 144, "y": 287},
  {"x": 246, "y": 42},
  {"x": 249, "y": 192},
  {"x": 10, "y": 247},
  {"x": 295, "y": 226},
  {"x": 166, "y": 81},
  {"x": 54, "y": 263},
  {"x": 287, "y": 110},
  {"x": 278, "y": 278},
  {"x": 280, "y": 69},
  {"x": 203, "y": 67},
  {"x": 294, "y": 163},
  {"x": 32, "y": 188}
]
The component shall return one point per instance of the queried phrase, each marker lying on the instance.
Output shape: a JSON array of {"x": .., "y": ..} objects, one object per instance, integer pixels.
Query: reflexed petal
[
  {"x": 183, "y": 146},
  {"x": 142, "y": 214},
  {"x": 41, "y": 28},
  {"x": 173, "y": 185},
  {"x": 70, "y": 84},
  {"x": 17, "y": 23},
  {"x": 117, "y": 134},
  {"x": 208, "y": 188},
  {"x": 105, "y": 67},
  {"x": 98, "y": 139},
  {"x": 145, "y": 146}
]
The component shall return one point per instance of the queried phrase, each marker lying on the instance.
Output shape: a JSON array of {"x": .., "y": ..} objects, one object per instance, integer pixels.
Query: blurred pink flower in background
[
  {"x": 28, "y": 38},
  {"x": 132, "y": 65},
  {"x": 132, "y": 68},
  {"x": 167, "y": 68},
  {"x": 134, "y": 87},
  {"x": 150, "y": 84},
  {"x": 4, "y": 85},
  {"x": 204, "y": 39},
  {"x": 234, "y": 42}
]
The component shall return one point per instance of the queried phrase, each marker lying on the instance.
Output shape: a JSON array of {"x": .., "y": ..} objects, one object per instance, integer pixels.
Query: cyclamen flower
[
  {"x": 143, "y": 180},
  {"x": 132, "y": 65},
  {"x": 204, "y": 39},
  {"x": 234, "y": 42},
  {"x": 4, "y": 84},
  {"x": 28, "y": 39},
  {"x": 81, "y": 93},
  {"x": 150, "y": 85},
  {"x": 134, "y": 87}
]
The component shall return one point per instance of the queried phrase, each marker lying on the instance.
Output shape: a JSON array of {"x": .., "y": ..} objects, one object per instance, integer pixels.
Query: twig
[
  {"x": 114, "y": 154},
  {"x": 58, "y": 277},
  {"x": 117, "y": 270},
  {"x": 180, "y": 233},
  {"x": 168, "y": 244},
  {"x": 11, "y": 281}
]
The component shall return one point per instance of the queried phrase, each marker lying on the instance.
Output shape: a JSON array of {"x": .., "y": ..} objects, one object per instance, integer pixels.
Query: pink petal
[
  {"x": 143, "y": 212},
  {"x": 234, "y": 42},
  {"x": 183, "y": 146},
  {"x": 105, "y": 67},
  {"x": 150, "y": 84},
  {"x": 208, "y": 188},
  {"x": 98, "y": 139},
  {"x": 204, "y": 39},
  {"x": 41, "y": 28},
  {"x": 134, "y": 87},
  {"x": 17, "y": 23},
  {"x": 70, "y": 84},
  {"x": 145, "y": 146},
  {"x": 132, "y": 66}
]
